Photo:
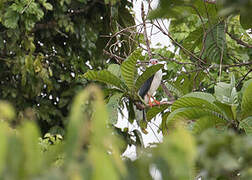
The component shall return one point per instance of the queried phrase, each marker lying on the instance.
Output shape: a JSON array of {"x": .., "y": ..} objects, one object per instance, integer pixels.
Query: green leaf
[
  {"x": 11, "y": 19},
  {"x": 7, "y": 111},
  {"x": 131, "y": 114},
  {"x": 184, "y": 83},
  {"x": 163, "y": 124},
  {"x": 174, "y": 89},
  {"x": 226, "y": 93},
  {"x": 171, "y": 8},
  {"x": 76, "y": 125},
  {"x": 139, "y": 138},
  {"x": 179, "y": 152},
  {"x": 202, "y": 95},
  {"x": 193, "y": 114},
  {"x": 245, "y": 21},
  {"x": 112, "y": 107},
  {"x": 196, "y": 99},
  {"x": 246, "y": 105},
  {"x": 115, "y": 69},
  {"x": 215, "y": 45},
  {"x": 193, "y": 40},
  {"x": 202, "y": 124},
  {"x": 106, "y": 77},
  {"x": 152, "y": 112},
  {"x": 48, "y": 6},
  {"x": 146, "y": 75},
  {"x": 129, "y": 70},
  {"x": 246, "y": 124},
  {"x": 226, "y": 109},
  {"x": 32, "y": 162},
  {"x": 3, "y": 145}
]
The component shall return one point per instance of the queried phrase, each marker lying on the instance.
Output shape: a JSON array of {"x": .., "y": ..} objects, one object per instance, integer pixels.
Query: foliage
[
  {"x": 45, "y": 46},
  {"x": 202, "y": 110},
  {"x": 84, "y": 148}
]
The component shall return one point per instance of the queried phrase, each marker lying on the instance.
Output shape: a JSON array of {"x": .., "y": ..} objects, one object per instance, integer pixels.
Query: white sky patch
[{"x": 155, "y": 36}]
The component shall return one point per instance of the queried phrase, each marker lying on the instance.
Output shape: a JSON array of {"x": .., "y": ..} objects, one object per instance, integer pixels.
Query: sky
[{"x": 156, "y": 37}]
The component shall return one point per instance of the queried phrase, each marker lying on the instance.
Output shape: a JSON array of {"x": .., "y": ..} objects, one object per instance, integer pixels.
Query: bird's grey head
[{"x": 153, "y": 61}]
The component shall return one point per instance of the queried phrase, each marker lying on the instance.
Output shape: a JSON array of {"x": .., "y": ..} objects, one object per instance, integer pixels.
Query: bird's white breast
[{"x": 156, "y": 82}]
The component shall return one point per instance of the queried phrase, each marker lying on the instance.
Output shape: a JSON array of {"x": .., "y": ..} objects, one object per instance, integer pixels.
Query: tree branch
[
  {"x": 142, "y": 106},
  {"x": 167, "y": 92},
  {"x": 118, "y": 58},
  {"x": 243, "y": 77},
  {"x": 239, "y": 41},
  {"x": 145, "y": 32}
]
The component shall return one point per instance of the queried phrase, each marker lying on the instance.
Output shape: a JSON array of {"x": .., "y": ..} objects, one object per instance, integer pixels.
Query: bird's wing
[{"x": 145, "y": 87}]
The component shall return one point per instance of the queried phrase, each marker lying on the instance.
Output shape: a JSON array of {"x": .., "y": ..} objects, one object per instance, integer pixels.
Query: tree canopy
[{"x": 46, "y": 45}]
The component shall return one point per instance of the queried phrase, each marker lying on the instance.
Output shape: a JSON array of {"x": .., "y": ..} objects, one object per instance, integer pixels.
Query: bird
[{"x": 151, "y": 85}]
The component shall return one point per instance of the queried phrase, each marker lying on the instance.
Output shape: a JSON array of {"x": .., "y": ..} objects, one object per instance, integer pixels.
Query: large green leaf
[
  {"x": 193, "y": 114},
  {"x": 105, "y": 76},
  {"x": 146, "y": 75},
  {"x": 112, "y": 107},
  {"x": 197, "y": 99},
  {"x": 205, "y": 96},
  {"x": 129, "y": 69},
  {"x": 193, "y": 40},
  {"x": 246, "y": 124},
  {"x": 179, "y": 152},
  {"x": 32, "y": 162},
  {"x": 115, "y": 69},
  {"x": 226, "y": 109},
  {"x": 100, "y": 140},
  {"x": 215, "y": 45},
  {"x": 202, "y": 124},
  {"x": 3, "y": 145},
  {"x": 246, "y": 105}
]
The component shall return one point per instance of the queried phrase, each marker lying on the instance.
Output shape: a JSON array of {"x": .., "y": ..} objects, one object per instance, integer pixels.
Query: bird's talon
[
  {"x": 150, "y": 103},
  {"x": 157, "y": 102}
]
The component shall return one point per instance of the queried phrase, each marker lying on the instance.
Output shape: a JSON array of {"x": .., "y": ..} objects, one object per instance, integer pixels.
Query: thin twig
[
  {"x": 239, "y": 41},
  {"x": 145, "y": 32},
  {"x": 167, "y": 92},
  {"x": 118, "y": 58},
  {"x": 154, "y": 133},
  {"x": 27, "y": 5},
  {"x": 222, "y": 53},
  {"x": 224, "y": 66},
  {"x": 174, "y": 60},
  {"x": 243, "y": 78}
]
